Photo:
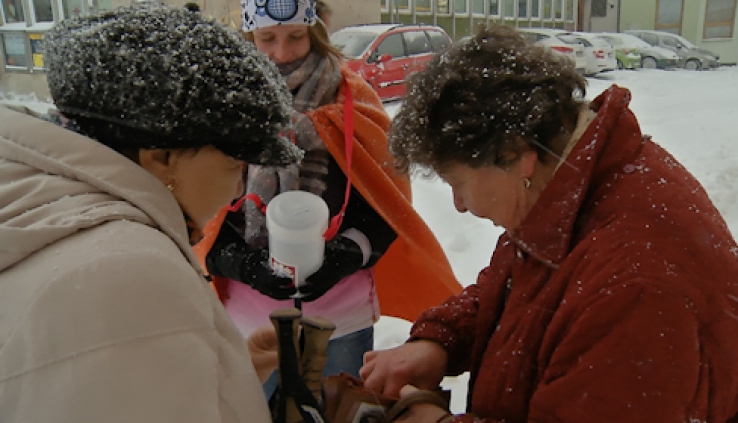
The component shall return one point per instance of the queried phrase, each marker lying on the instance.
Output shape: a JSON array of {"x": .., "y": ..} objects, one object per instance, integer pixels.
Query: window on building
[
  {"x": 669, "y": 15},
  {"x": 42, "y": 9},
  {"x": 523, "y": 9},
  {"x": 423, "y": 6},
  {"x": 494, "y": 8},
  {"x": 460, "y": 6},
  {"x": 535, "y": 9},
  {"x": 599, "y": 8},
  {"x": 392, "y": 5},
  {"x": 15, "y": 49},
  {"x": 442, "y": 7},
  {"x": 558, "y": 9},
  {"x": 37, "y": 50},
  {"x": 509, "y": 9},
  {"x": 477, "y": 7},
  {"x": 719, "y": 18},
  {"x": 13, "y": 10},
  {"x": 569, "y": 10},
  {"x": 72, "y": 8}
]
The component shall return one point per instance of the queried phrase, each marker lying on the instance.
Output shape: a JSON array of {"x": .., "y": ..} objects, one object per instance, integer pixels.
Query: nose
[
  {"x": 459, "y": 204},
  {"x": 281, "y": 54}
]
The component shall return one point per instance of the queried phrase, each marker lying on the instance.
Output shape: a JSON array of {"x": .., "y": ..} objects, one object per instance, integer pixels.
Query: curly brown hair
[{"x": 476, "y": 101}]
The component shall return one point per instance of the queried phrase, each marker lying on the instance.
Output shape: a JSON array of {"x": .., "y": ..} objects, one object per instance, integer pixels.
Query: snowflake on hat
[{"x": 265, "y": 13}]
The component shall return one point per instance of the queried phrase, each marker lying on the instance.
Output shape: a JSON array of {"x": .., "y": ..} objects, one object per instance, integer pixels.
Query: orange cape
[{"x": 413, "y": 274}]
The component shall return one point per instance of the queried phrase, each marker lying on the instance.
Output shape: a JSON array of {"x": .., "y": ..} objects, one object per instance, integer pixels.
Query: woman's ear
[
  {"x": 157, "y": 161},
  {"x": 528, "y": 160}
]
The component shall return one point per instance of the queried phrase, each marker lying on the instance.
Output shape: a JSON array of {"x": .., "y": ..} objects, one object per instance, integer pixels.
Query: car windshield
[
  {"x": 633, "y": 41},
  {"x": 352, "y": 43}
]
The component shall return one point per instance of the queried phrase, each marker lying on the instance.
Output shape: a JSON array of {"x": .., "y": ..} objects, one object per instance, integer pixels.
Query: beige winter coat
[{"x": 104, "y": 313}]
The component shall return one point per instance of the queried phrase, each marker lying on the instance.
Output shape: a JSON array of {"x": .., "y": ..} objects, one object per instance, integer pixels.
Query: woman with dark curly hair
[{"x": 612, "y": 294}]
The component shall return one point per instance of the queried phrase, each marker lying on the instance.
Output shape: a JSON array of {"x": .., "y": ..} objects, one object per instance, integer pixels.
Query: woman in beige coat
[{"x": 104, "y": 311}]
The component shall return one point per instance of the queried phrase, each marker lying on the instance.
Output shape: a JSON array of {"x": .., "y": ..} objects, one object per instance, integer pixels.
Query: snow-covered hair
[
  {"x": 476, "y": 102},
  {"x": 148, "y": 76}
]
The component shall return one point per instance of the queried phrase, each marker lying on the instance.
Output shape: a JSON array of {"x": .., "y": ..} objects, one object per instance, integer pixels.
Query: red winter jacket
[{"x": 624, "y": 287}]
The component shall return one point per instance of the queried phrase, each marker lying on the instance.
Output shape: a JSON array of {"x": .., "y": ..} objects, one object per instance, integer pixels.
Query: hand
[
  {"x": 343, "y": 257},
  {"x": 419, "y": 363},
  {"x": 230, "y": 257},
  {"x": 263, "y": 347},
  {"x": 420, "y": 412}
]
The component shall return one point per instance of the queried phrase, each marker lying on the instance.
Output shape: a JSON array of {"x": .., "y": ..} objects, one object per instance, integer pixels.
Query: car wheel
[
  {"x": 620, "y": 65},
  {"x": 692, "y": 64},
  {"x": 649, "y": 63}
]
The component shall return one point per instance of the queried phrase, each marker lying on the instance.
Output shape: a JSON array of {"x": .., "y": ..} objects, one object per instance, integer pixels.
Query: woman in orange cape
[{"x": 382, "y": 253}]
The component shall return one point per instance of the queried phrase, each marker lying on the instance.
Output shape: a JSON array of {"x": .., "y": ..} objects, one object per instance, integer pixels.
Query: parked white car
[
  {"x": 599, "y": 53},
  {"x": 552, "y": 39}
]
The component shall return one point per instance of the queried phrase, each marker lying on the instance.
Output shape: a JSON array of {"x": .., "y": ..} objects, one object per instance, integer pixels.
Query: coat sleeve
[
  {"x": 452, "y": 325},
  {"x": 132, "y": 337}
]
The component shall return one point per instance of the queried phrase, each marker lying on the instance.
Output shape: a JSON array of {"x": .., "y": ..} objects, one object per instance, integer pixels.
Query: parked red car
[{"x": 386, "y": 54}]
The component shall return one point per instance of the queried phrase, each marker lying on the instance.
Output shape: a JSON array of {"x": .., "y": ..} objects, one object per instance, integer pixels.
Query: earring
[
  {"x": 170, "y": 185},
  {"x": 527, "y": 183}
]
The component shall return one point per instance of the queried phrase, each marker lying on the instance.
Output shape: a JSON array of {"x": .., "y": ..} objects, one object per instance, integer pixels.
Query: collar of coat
[{"x": 612, "y": 138}]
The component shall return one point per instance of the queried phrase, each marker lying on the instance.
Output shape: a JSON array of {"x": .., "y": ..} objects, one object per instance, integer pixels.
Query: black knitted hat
[{"x": 157, "y": 77}]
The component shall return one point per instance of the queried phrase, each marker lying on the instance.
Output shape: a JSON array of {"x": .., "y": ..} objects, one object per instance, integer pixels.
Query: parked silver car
[
  {"x": 650, "y": 57},
  {"x": 691, "y": 57}
]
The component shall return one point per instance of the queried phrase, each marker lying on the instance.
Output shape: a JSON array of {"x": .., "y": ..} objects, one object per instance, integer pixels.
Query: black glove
[
  {"x": 343, "y": 257},
  {"x": 230, "y": 257}
]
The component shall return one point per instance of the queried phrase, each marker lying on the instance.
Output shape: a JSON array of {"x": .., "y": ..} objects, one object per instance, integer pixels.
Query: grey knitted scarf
[{"x": 314, "y": 82}]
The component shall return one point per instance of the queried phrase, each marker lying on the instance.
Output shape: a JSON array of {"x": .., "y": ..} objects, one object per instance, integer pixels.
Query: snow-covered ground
[{"x": 694, "y": 115}]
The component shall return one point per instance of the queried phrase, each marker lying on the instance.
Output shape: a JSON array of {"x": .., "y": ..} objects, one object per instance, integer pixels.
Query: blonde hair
[{"x": 319, "y": 40}]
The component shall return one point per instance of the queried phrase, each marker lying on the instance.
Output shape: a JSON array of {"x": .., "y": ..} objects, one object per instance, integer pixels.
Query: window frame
[
  {"x": 31, "y": 28},
  {"x": 375, "y": 55},
  {"x": 431, "y": 33},
  {"x": 427, "y": 10},
  {"x": 730, "y": 24},
  {"x": 419, "y": 33},
  {"x": 669, "y": 27},
  {"x": 485, "y": 4},
  {"x": 463, "y": 12},
  {"x": 26, "y": 52},
  {"x": 537, "y": 6}
]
